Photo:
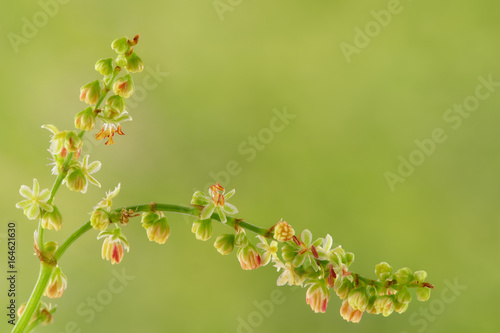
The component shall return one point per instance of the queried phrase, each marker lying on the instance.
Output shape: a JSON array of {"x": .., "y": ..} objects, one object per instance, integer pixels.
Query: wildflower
[
  {"x": 108, "y": 131},
  {"x": 90, "y": 92},
  {"x": 116, "y": 102},
  {"x": 100, "y": 218},
  {"x": 349, "y": 314},
  {"x": 113, "y": 246},
  {"x": 317, "y": 296},
  {"x": 269, "y": 250},
  {"x": 202, "y": 229},
  {"x": 57, "y": 284},
  {"x": 423, "y": 294},
  {"x": 249, "y": 257},
  {"x": 289, "y": 276},
  {"x": 156, "y": 226},
  {"x": 72, "y": 142},
  {"x": 108, "y": 201},
  {"x": 224, "y": 243},
  {"x": 283, "y": 231},
  {"x": 89, "y": 169},
  {"x": 216, "y": 202},
  {"x": 52, "y": 220},
  {"x": 124, "y": 86},
  {"x": 403, "y": 275},
  {"x": 35, "y": 202},
  {"x": 307, "y": 250}
]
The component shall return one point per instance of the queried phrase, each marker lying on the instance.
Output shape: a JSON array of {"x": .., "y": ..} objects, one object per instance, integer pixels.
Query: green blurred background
[{"x": 324, "y": 171}]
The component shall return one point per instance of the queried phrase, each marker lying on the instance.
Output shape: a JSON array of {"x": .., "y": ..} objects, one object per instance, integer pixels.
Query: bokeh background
[{"x": 222, "y": 73}]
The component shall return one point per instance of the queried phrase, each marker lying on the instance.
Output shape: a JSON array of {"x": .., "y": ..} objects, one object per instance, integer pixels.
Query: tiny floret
[
  {"x": 114, "y": 245},
  {"x": 36, "y": 201},
  {"x": 283, "y": 231}
]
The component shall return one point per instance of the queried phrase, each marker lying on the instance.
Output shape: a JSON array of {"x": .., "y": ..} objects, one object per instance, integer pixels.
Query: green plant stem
[
  {"x": 44, "y": 274},
  {"x": 34, "y": 301}
]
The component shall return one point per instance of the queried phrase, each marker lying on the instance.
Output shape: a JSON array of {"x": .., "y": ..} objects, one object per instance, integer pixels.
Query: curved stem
[
  {"x": 71, "y": 239},
  {"x": 34, "y": 301}
]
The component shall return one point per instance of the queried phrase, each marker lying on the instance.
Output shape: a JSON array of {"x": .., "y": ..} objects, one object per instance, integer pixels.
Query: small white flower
[
  {"x": 35, "y": 202},
  {"x": 289, "y": 276},
  {"x": 269, "y": 250}
]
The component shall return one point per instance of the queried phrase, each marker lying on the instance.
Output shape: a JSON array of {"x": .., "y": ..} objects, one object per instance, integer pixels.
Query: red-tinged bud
[
  {"x": 349, "y": 314},
  {"x": 85, "y": 120},
  {"x": 57, "y": 284},
  {"x": 249, "y": 257},
  {"x": 90, "y": 92},
  {"x": 317, "y": 296},
  {"x": 124, "y": 86}
]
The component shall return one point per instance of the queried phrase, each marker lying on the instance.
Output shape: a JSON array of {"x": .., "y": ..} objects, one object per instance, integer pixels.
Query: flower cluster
[{"x": 308, "y": 262}]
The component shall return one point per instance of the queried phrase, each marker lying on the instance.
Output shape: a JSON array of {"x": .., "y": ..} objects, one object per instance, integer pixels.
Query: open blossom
[
  {"x": 57, "y": 140},
  {"x": 114, "y": 245},
  {"x": 57, "y": 284},
  {"x": 269, "y": 250},
  {"x": 108, "y": 131},
  {"x": 249, "y": 257},
  {"x": 349, "y": 314},
  {"x": 317, "y": 296},
  {"x": 36, "y": 201},
  {"x": 216, "y": 202},
  {"x": 289, "y": 276}
]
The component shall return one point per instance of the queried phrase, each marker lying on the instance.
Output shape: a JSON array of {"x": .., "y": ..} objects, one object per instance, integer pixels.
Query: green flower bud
[
  {"x": 110, "y": 113},
  {"x": 52, "y": 220},
  {"x": 202, "y": 229},
  {"x": 104, "y": 66},
  {"x": 116, "y": 102},
  {"x": 383, "y": 271},
  {"x": 400, "y": 307},
  {"x": 99, "y": 219},
  {"x": 57, "y": 284},
  {"x": 50, "y": 248},
  {"x": 404, "y": 295},
  {"x": 288, "y": 252},
  {"x": 120, "y": 45},
  {"x": 149, "y": 218},
  {"x": 384, "y": 305},
  {"x": 134, "y": 64},
  {"x": 423, "y": 294},
  {"x": 403, "y": 275},
  {"x": 124, "y": 86},
  {"x": 121, "y": 60},
  {"x": 358, "y": 299},
  {"x": 158, "y": 230},
  {"x": 224, "y": 244},
  {"x": 115, "y": 217},
  {"x": 420, "y": 276},
  {"x": 76, "y": 180},
  {"x": 72, "y": 142},
  {"x": 90, "y": 92},
  {"x": 199, "y": 199},
  {"x": 85, "y": 120}
]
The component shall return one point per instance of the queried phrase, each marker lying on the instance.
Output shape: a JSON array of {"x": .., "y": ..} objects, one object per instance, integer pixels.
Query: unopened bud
[
  {"x": 240, "y": 239},
  {"x": 384, "y": 305},
  {"x": 121, "y": 60},
  {"x": 76, "y": 180},
  {"x": 90, "y": 92},
  {"x": 110, "y": 112},
  {"x": 124, "y": 86},
  {"x": 99, "y": 219},
  {"x": 403, "y": 275},
  {"x": 57, "y": 284},
  {"x": 120, "y": 45},
  {"x": 400, "y": 307},
  {"x": 420, "y": 276},
  {"x": 85, "y": 120},
  {"x": 288, "y": 252},
  {"x": 104, "y": 66},
  {"x": 249, "y": 257},
  {"x": 224, "y": 243},
  {"x": 202, "y": 229},
  {"x": 52, "y": 220},
  {"x": 404, "y": 295},
  {"x": 423, "y": 294},
  {"x": 72, "y": 142},
  {"x": 383, "y": 271},
  {"x": 344, "y": 289},
  {"x": 158, "y": 230},
  {"x": 134, "y": 64},
  {"x": 358, "y": 299},
  {"x": 116, "y": 102}
]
